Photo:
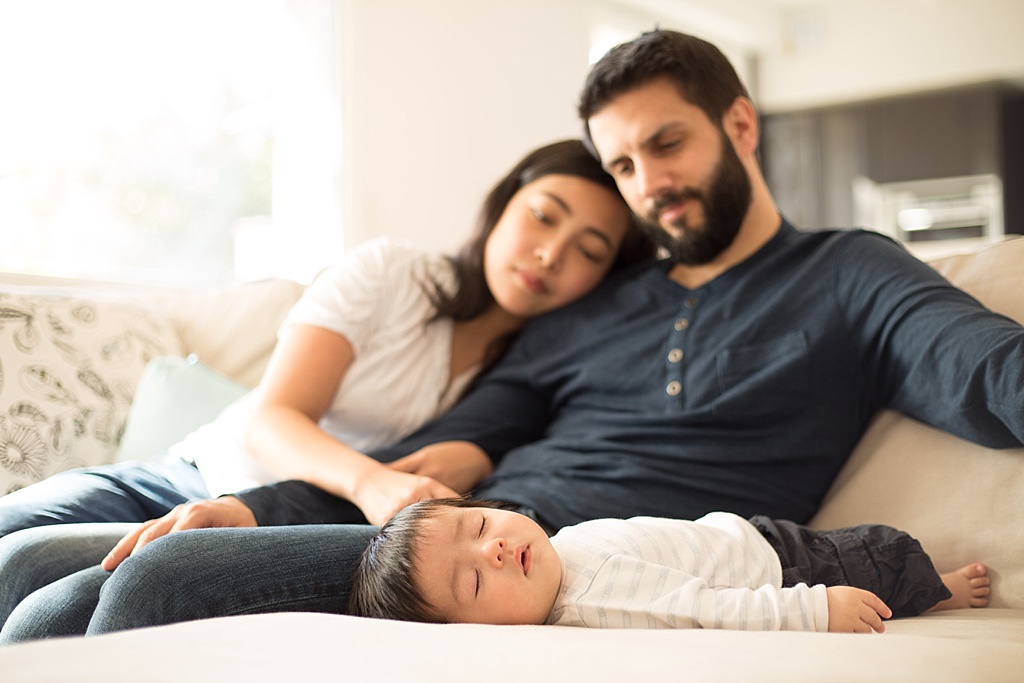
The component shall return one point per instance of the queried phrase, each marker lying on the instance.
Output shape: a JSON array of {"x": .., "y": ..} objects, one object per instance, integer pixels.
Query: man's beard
[{"x": 725, "y": 202}]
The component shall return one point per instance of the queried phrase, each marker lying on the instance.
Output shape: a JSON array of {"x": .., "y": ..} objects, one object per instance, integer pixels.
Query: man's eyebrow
[{"x": 669, "y": 127}]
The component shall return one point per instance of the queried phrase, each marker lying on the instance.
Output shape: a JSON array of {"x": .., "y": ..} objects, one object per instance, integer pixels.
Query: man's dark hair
[{"x": 704, "y": 76}]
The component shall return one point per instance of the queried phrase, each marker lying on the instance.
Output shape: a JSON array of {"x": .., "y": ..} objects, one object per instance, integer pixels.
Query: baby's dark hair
[{"x": 384, "y": 581}]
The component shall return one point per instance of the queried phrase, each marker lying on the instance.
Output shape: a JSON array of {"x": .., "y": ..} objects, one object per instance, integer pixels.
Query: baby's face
[{"x": 486, "y": 566}]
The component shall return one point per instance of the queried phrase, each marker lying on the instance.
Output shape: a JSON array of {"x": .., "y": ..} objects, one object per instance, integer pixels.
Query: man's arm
[
  {"x": 500, "y": 414},
  {"x": 944, "y": 358},
  {"x": 297, "y": 502}
]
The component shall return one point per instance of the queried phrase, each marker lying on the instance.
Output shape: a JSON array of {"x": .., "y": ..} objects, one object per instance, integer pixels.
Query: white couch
[{"x": 964, "y": 503}]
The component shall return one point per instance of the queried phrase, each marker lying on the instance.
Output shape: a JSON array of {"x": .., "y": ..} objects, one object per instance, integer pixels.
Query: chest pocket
[{"x": 766, "y": 380}]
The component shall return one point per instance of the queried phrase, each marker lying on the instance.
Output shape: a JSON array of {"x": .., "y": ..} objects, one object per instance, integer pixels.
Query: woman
[{"x": 375, "y": 348}]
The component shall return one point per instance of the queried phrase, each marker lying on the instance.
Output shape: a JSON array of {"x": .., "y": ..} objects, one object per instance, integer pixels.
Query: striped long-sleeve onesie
[{"x": 646, "y": 572}]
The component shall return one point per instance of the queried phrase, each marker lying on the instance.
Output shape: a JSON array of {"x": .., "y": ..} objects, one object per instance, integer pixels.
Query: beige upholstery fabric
[
  {"x": 316, "y": 647},
  {"x": 234, "y": 330},
  {"x": 69, "y": 365}
]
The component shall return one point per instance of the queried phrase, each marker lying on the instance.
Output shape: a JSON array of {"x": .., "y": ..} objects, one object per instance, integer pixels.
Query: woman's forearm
[{"x": 291, "y": 446}]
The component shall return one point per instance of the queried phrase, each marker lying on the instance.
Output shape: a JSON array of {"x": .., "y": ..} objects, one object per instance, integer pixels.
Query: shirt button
[
  {"x": 673, "y": 388},
  {"x": 675, "y": 355},
  {"x": 691, "y": 302},
  {"x": 682, "y": 324}
]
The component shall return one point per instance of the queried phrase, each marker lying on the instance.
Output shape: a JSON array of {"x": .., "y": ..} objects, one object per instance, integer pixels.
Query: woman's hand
[
  {"x": 458, "y": 464},
  {"x": 442, "y": 470},
  {"x": 384, "y": 491},
  {"x": 204, "y": 514},
  {"x": 852, "y": 610}
]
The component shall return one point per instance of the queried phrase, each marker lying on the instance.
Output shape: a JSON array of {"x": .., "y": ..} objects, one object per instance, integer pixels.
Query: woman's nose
[{"x": 549, "y": 254}]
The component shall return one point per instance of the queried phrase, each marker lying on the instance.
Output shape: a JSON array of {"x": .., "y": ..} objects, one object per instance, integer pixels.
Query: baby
[{"x": 457, "y": 560}]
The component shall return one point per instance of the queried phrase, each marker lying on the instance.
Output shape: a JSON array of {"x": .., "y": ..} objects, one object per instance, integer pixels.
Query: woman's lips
[{"x": 533, "y": 282}]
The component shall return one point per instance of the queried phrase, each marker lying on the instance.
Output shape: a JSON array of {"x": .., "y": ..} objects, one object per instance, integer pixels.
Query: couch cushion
[
  {"x": 68, "y": 370},
  {"x": 175, "y": 396},
  {"x": 306, "y": 647},
  {"x": 234, "y": 330}
]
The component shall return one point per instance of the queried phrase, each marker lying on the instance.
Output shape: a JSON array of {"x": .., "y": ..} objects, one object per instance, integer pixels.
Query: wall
[
  {"x": 812, "y": 53},
  {"x": 441, "y": 97},
  {"x": 837, "y": 51}
]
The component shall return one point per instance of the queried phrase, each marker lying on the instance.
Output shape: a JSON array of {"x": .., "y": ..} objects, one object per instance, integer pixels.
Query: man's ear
[{"x": 741, "y": 125}]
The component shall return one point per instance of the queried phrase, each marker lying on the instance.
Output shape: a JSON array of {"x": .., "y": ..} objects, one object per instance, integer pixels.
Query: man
[{"x": 738, "y": 375}]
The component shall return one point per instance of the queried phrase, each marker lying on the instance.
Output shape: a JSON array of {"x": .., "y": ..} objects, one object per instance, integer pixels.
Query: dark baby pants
[{"x": 880, "y": 559}]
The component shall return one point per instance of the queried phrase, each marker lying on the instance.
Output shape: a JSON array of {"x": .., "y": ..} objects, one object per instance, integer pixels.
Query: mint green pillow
[{"x": 174, "y": 397}]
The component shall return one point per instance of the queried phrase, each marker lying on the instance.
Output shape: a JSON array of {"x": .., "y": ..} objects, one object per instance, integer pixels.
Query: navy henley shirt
[{"x": 746, "y": 394}]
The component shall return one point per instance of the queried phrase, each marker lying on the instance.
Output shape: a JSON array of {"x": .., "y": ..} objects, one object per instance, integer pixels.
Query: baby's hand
[{"x": 852, "y": 610}]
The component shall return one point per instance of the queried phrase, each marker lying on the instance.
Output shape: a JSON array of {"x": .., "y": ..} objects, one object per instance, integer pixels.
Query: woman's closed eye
[
  {"x": 541, "y": 216},
  {"x": 593, "y": 255}
]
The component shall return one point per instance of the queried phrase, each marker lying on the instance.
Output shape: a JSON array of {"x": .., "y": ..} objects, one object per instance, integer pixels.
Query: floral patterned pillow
[{"x": 68, "y": 371}]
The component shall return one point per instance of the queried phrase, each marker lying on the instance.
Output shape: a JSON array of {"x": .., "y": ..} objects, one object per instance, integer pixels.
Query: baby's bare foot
[{"x": 969, "y": 585}]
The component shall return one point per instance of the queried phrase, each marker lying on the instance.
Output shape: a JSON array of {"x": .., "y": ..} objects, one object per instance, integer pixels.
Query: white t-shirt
[
  {"x": 647, "y": 572},
  {"x": 398, "y": 379}
]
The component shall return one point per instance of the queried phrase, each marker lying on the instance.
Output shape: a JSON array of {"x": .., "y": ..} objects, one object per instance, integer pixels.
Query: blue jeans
[
  {"x": 48, "y": 561},
  {"x": 189, "y": 575},
  {"x": 208, "y": 573},
  {"x": 125, "y": 492},
  {"x": 51, "y": 578}
]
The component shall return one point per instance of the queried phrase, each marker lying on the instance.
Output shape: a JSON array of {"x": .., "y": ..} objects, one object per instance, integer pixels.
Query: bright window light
[{"x": 138, "y": 138}]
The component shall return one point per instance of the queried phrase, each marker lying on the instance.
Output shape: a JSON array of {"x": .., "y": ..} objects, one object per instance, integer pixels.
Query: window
[{"x": 169, "y": 141}]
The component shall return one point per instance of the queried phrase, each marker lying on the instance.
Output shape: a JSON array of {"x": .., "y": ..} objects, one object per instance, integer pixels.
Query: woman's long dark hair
[{"x": 471, "y": 296}]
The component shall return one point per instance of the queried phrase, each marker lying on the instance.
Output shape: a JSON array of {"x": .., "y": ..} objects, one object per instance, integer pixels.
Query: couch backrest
[
  {"x": 72, "y": 354},
  {"x": 962, "y": 501},
  {"x": 233, "y": 330}
]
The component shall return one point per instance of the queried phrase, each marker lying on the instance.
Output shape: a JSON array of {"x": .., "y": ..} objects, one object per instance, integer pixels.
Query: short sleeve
[{"x": 351, "y": 298}]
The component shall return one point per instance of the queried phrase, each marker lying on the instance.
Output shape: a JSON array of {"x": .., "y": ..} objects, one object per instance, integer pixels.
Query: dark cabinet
[{"x": 817, "y": 161}]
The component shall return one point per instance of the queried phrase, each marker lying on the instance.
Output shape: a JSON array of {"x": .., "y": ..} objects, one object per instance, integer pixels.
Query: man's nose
[{"x": 652, "y": 179}]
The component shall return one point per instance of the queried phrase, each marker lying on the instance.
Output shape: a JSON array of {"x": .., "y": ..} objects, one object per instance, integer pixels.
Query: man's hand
[
  {"x": 204, "y": 514},
  {"x": 852, "y": 610}
]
